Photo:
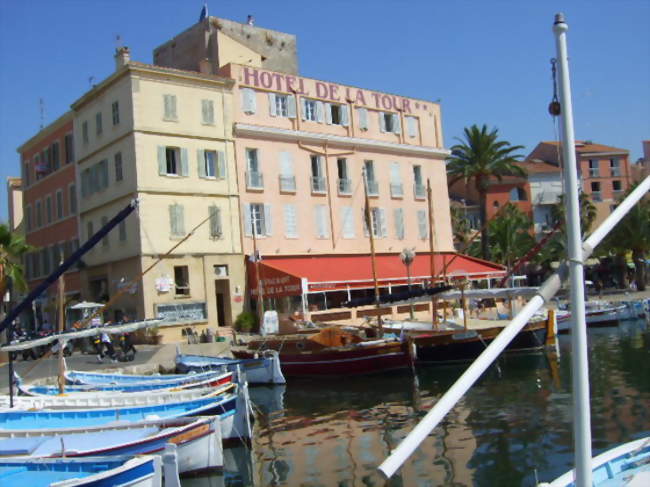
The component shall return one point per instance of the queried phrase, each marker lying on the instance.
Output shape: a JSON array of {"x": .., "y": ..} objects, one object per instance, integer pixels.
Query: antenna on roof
[
  {"x": 118, "y": 41},
  {"x": 41, "y": 108},
  {"x": 90, "y": 80},
  {"x": 250, "y": 20}
]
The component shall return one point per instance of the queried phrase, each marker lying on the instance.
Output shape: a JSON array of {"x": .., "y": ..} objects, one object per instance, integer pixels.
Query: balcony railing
[
  {"x": 596, "y": 196},
  {"x": 345, "y": 186},
  {"x": 419, "y": 191},
  {"x": 594, "y": 172},
  {"x": 396, "y": 190},
  {"x": 318, "y": 184},
  {"x": 255, "y": 180},
  {"x": 287, "y": 183},
  {"x": 373, "y": 187}
]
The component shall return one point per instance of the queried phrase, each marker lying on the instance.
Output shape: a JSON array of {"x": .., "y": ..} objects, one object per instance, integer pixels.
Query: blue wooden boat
[
  {"x": 263, "y": 370},
  {"x": 142, "y": 471},
  {"x": 97, "y": 378},
  {"x": 198, "y": 441},
  {"x": 627, "y": 464}
]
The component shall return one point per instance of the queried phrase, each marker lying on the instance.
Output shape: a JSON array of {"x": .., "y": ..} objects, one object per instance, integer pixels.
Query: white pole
[
  {"x": 546, "y": 291},
  {"x": 579, "y": 359}
]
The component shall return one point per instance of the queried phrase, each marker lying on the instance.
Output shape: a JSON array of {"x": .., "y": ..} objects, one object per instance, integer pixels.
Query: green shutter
[
  {"x": 162, "y": 160},
  {"x": 184, "y": 163},
  {"x": 200, "y": 162}
]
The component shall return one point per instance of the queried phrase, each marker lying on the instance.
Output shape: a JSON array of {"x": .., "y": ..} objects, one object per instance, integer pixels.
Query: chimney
[
  {"x": 122, "y": 57},
  {"x": 205, "y": 66}
]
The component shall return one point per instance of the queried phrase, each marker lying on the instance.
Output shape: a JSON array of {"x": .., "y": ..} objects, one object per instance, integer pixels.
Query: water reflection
[{"x": 514, "y": 425}]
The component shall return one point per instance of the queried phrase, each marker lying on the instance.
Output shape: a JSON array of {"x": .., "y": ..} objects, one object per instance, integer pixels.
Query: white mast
[{"x": 579, "y": 360}]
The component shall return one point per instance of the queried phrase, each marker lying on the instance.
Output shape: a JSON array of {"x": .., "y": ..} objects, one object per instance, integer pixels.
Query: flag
[{"x": 204, "y": 12}]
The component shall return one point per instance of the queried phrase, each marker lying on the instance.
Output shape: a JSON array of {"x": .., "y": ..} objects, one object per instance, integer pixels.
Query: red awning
[{"x": 285, "y": 276}]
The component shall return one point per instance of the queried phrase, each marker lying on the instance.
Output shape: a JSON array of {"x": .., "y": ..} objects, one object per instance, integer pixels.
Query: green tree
[
  {"x": 460, "y": 228},
  {"x": 480, "y": 157},
  {"x": 632, "y": 234},
  {"x": 509, "y": 236},
  {"x": 12, "y": 248}
]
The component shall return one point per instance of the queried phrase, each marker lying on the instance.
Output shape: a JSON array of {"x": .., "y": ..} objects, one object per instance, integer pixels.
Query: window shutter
[
  {"x": 382, "y": 122},
  {"x": 365, "y": 222},
  {"x": 215, "y": 221},
  {"x": 303, "y": 108},
  {"x": 180, "y": 217},
  {"x": 397, "y": 125},
  {"x": 173, "y": 106},
  {"x": 221, "y": 165},
  {"x": 328, "y": 113},
  {"x": 399, "y": 223},
  {"x": 382, "y": 222},
  {"x": 347, "y": 216},
  {"x": 268, "y": 228},
  {"x": 104, "y": 166},
  {"x": 422, "y": 224},
  {"x": 286, "y": 163},
  {"x": 184, "y": 163},
  {"x": 320, "y": 212},
  {"x": 248, "y": 227},
  {"x": 248, "y": 100},
  {"x": 166, "y": 106},
  {"x": 204, "y": 111},
  {"x": 394, "y": 173},
  {"x": 200, "y": 162},
  {"x": 162, "y": 160},
  {"x": 345, "y": 115},
  {"x": 363, "y": 118},
  {"x": 290, "y": 223},
  {"x": 173, "y": 226},
  {"x": 272, "y": 107},
  {"x": 320, "y": 111},
  {"x": 291, "y": 106},
  {"x": 411, "y": 125}
]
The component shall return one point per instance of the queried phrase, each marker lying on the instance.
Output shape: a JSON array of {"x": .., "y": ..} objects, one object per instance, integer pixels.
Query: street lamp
[{"x": 407, "y": 256}]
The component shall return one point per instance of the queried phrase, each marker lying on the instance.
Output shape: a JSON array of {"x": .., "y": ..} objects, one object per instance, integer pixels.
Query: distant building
[
  {"x": 15, "y": 204},
  {"x": 641, "y": 169}
]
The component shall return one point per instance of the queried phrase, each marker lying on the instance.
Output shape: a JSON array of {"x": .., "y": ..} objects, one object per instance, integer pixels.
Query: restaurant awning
[{"x": 295, "y": 275}]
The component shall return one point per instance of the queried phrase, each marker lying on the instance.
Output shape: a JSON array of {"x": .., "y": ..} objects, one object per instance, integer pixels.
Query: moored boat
[
  {"x": 198, "y": 441},
  {"x": 93, "y": 378},
  {"x": 261, "y": 370}
]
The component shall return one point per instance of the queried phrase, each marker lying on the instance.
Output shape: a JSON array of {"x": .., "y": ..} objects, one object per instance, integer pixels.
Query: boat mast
[
  {"x": 580, "y": 363},
  {"x": 61, "y": 342},
  {"x": 372, "y": 240},
  {"x": 434, "y": 300}
]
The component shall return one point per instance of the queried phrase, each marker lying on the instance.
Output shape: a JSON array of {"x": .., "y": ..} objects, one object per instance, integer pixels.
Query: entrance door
[{"x": 222, "y": 295}]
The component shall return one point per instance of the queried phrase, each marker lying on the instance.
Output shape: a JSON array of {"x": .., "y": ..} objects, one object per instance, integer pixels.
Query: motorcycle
[{"x": 127, "y": 351}]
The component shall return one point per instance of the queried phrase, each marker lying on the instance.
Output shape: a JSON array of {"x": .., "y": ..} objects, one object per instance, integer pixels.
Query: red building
[{"x": 50, "y": 212}]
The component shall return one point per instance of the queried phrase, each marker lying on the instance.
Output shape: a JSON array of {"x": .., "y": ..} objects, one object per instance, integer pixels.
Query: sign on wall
[{"x": 181, "y": 311}]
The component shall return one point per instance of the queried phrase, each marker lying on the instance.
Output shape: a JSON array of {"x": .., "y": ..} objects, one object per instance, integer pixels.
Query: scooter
[{"x": 126, "y": 351}]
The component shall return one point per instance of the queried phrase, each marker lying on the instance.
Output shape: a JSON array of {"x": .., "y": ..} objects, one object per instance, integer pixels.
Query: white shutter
[
  {"x": 411, "y": 125},
  {"x": 290, "y": 222},
  {"x": 291, "y": 106},
  {"x": 268, "y": 228},
  {"x": 221, "y": 165},
  {"x": 399, "y": 223},
  {"x": 286, "y": 163},
  {"x": 382, "y": 223},
  {"x": 248, "y": 228},
  {"x": 320, "y": 214},
  {"x": 162, "y": 161},
  {"x": 180, "y": 219},
  {"x": 397, "y": 125},
  {"x": 200, "y": 162},
  {"x": 320, "y": 111},
  {"x": 382, "y": 121},
  {"x": 347, "y": 218},
  {"x": 272, "y": 107},
  {"x": 248, "y": 100},
  {"x": 363, "y": 118},
  {"x": 204, "y": 111},
  {"x": 172, "y": 220},
  {"x": 328, "y": 113},
  {"x": 184, "y": 163},
  {"x": 395, "y": 177},
  {"x": 422, "y": 224},
  {"x": 345, "y": 115},
  {"x": 303, "y": 108}
]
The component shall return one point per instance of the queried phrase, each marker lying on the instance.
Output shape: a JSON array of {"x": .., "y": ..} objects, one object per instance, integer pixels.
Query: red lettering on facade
[
  {"x": 266, "y": 80},
  {"x": 321, "y": 90},
  {"x": 290, "y": 80},
  {"x": 301, "y": 84},
  {"x": 406, "y": 105},
  {"x": 251, "y": 73},
  {"x": 334, "y": 92},
  {"x": 376, "y": 97},
  {"x": 278, "y": 81},
  {"x": 360, "y": 98},
  {"x": 386, "y": 102}
]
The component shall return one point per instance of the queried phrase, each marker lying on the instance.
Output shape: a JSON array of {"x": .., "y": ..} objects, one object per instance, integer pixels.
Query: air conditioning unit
[{"x": 221, "y": 270}]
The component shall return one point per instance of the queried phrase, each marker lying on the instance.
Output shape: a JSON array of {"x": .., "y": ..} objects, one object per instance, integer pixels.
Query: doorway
[{"x": 222, "y": 295}]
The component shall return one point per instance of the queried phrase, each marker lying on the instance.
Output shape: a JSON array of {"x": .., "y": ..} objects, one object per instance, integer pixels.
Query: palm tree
[
  {"x": 588, "y": 214},
  {"x": 509, "y": 237},
  {"x": 480, "y": 157},
  {"x": 12, "y": 248}
]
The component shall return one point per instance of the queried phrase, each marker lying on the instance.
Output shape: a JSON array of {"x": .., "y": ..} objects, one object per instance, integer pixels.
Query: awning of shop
[{"x": 285, "y": 276}]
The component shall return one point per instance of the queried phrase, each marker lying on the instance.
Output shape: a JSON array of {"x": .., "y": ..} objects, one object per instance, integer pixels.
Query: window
[
  {"x": 119, "y": 174},
  {"x": 517, "y": 194},
  {"x": 210, "y": 163},
  {"x": 176, "y": 220},
  {"x": 423, "y": 227},
  {"x": 182, "y": 280},
  {"x": 389, "y": 122},
  {"x": 45, "y": 259},
  {"x": 72, "y": 200},
  {"x": 617, "y": 186},
  {"x": 215, "y": 222},
  {"x": 594, "y": 170},
  {"x": 89, "y": 230},
  {"x": 257, "y": 218},
  {"x": 312, "y": 110},
  {"x": 371, "y": 182},
  {"x": 28, "y": 217},
  {"x": 68, "y": 141},
  {"x": 412, "y": 126},
  {"x": 105, "y": 241},
  {"x": 115, "y": 109},
  {"x": 347, "y": 221},
  {"x": 249, "y": 102},
  {"x": 39, "y": 214},
  {"x": 48, "y": 210},
  {"x": 595, "y": 191},
  {"x": 36, "y": 262},
  {"x": 362, "y": 115},
  {"x": 336, "y": 114},
  {"x": 54, "y": 156},
  {"x": 287, "y": 177},
  {"x": 172, "y": 161},
  {"x": 399, "y": 223},
  {"x": 59, "y": 205},
  {"x": 98, "y": 123},
  {"x": 102, "y": 175},
  {"x": 396, "y": 187},
  {"x": 318, "y": 175},
  {"x": 122, "y": 231},
  {"x": 615, "y": 167},
  {"x": 290, "y": 221},
  {"x": 26, "y": 174},
  {"x": 418, "y": 187},
  {"x": 84, "y": 132},
  {"x": 207, "y": 112},
  {"x": 321, "y": 219},
  {"x": 254, "y": 177},
  {"x": 170, "y": 107},
  {"x": 344, "y": 182},
  {"x": 282, "y": 105},
  {"x": 378, "y": 220}
]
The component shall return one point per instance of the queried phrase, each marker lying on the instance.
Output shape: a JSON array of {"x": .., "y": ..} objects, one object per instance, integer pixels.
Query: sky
[{"x": 487, "y": 62}]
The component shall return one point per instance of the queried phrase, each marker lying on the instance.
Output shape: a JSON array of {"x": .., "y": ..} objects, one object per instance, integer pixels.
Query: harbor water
[{"x": 513, "y": 428}]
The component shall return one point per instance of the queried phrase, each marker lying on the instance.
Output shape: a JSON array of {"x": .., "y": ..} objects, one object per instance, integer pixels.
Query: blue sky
[{"x": 487, "y": 61}]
